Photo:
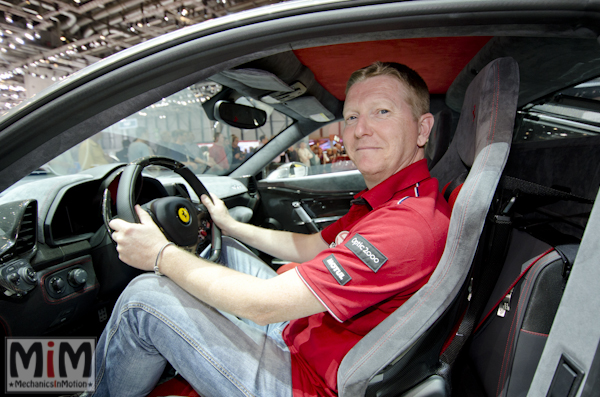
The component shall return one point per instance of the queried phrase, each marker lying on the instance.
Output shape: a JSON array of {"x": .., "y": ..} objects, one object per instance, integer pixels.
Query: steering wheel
[{"x": 181, "y": 221}]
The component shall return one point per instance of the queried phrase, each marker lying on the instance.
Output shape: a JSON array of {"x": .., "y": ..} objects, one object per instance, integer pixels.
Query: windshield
[{"x": 176, "y": 127}]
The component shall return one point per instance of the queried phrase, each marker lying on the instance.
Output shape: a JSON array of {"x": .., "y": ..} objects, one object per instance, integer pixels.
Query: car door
[
  {"x": 307, "y": 204},
  {"x": 306, "y": 198}
]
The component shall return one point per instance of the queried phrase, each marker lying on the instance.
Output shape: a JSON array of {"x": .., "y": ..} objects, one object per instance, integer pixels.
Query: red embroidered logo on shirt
[{"x": 339, "y": 238}]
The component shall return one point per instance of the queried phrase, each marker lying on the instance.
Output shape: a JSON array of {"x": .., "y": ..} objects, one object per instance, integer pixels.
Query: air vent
[{"x": 27, "y": 236}]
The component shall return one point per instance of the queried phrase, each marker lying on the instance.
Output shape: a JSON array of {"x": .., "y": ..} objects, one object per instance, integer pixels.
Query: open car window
[
  {"x": 322, "y": 152},
  {"x": 572, "y": 113},
  {"x": 177, "y": 127}
]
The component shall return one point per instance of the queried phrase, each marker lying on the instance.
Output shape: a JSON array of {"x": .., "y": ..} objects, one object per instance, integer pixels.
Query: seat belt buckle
[{"x": 505, "y": 304}]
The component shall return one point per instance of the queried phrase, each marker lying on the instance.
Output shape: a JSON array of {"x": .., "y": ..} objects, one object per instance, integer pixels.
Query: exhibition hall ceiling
[{"x": 44, "y": 41}]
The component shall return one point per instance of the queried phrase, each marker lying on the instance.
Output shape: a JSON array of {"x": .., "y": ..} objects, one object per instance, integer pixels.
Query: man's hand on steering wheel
[
  {"x": 218, "y": 213},
  {"x": 138, "y": 244}
]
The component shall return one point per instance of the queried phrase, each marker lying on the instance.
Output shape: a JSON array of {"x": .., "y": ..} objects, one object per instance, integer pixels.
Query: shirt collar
[{"x": 401, "y": 180}]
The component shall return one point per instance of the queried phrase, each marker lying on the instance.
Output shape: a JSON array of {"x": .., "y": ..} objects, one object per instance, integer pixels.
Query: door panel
[{"x": 307, "y": 204}]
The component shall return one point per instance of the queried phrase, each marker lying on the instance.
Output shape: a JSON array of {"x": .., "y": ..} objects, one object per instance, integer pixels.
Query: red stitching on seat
[
  {"x": 512, "y": 332},
  {"x": 484, "y": 318},
  {"x": 534, "y": 333}
]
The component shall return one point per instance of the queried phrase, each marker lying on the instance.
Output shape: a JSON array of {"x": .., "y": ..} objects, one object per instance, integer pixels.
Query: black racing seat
[
  {"x": 439, "y": 138},
  {"x": 403, "y": 352}
]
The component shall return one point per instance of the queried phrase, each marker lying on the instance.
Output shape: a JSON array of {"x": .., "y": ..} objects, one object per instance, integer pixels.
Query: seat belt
[
  {"x": 496, "y": 233},
  {"x": 535, "y": 189}
]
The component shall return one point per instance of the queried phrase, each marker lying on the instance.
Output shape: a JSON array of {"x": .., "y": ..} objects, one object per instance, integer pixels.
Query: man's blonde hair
[{"x": 418, "y": 97}]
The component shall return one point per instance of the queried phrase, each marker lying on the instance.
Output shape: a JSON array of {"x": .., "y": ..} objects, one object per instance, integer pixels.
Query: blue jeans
[{"x": 155, "y": 321}]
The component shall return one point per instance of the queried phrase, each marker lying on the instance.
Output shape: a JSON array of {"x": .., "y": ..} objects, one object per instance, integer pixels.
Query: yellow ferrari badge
[{"x": 183, "y": 214}]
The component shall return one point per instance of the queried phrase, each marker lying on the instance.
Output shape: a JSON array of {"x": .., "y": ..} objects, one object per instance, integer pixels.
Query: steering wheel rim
[{"x": 126, "y": 192}]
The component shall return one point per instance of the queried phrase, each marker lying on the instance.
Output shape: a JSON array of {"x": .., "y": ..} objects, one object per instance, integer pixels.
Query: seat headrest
[
  {"x": 487, "y": 117},
  {"x": 494, "y": 88}
]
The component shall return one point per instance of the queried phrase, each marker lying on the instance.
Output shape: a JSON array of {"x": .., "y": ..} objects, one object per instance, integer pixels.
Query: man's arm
[
  {"x": 281, "y": 298},
  {"x": 295, "y": 247}
]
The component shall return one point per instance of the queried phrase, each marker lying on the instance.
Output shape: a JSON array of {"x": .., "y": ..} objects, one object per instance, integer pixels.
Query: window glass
[
  {"x": 572, "y": 113},
  {"x": 175, "y": 127},
  {"x": 321, "y": 152}
]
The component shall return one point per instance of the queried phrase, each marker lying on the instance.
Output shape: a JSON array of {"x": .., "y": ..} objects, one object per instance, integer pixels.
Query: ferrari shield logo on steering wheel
[{"x": 184, "y": 215}]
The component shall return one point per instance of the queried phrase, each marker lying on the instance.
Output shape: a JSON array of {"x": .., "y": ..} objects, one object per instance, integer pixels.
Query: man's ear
[{"x": 425, "y": 126}]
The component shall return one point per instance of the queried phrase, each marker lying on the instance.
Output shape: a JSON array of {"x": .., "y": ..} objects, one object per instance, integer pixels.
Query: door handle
[{"x": 304, "y": 217}]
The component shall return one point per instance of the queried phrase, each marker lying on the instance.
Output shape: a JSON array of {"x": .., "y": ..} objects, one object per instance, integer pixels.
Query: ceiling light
[
  {"x": 102, "y": 37},
  {"x": 12, "y": 46},
  {"x": 37, "y": 35},
  {"x": 140, "y": 25},
  {"x": 29, "y": 25},
  {"x": 8, "y": 31},
  {"x": 29, "y": 36},
  {"x": 63, "y": 38},
  {"x": 184, "y": 12},
  {"x": 3, "y": 49},
  {"x": 8, "y": 18},
  {"x": 19, "y": 40},
  {"x": 38, "y": 16}
]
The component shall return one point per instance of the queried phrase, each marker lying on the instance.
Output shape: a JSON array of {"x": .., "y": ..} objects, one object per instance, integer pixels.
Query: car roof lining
[{"x": 333, "y": 64}]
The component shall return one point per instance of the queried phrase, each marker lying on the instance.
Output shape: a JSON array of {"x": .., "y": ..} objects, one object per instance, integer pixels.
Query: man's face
[{"x": 381, "y": 135}]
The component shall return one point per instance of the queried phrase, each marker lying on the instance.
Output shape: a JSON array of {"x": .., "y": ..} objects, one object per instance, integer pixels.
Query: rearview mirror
[{"x": 240, "y": 116}]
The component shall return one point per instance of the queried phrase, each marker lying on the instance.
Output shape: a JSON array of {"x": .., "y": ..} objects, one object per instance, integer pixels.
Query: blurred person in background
[
  {"x": 218, "y": 155},
  {"x": 304, "y": 154},
  {"x": 238, "y": 156},
  {"x": 139, "y": 148},
  {"x": 91, "y": 153}
]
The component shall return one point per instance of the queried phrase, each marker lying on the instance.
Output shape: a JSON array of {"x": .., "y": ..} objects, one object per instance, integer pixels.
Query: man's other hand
[{"x": 219, "y": 213}]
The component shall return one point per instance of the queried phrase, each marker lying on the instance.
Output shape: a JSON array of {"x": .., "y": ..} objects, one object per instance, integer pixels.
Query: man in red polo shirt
[{"x": 287, "y": 334}]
